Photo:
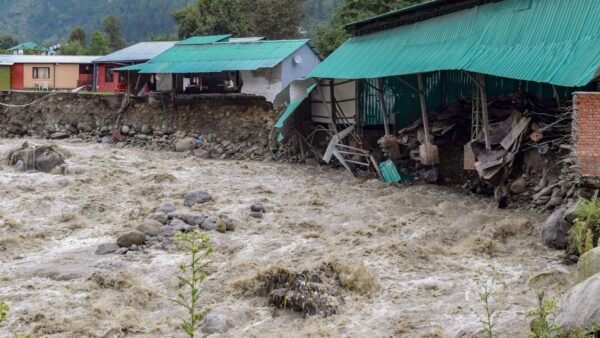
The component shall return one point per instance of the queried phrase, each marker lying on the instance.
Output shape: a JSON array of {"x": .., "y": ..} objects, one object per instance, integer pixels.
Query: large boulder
[
  {"x": 588, "y": 264},
  {"x": 579, "y": 307},
  {"x": 41, "y": 158},
  {"x": 150, "y": 227},
  {"x": 158, "y": 216},
  {"x": 185, "y": 144},
  {"x": 133, "y": 237},
  {"x": 217, "y": 321},
  {"x": 166, "y": 207},
  {"x": 555, "y": 231},
  {"x": 196, "y": 197}
]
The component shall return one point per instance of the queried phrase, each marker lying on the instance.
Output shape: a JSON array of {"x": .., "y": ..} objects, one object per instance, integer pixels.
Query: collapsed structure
[
  {"x": 220, "y": 64},
  {"x": 458, "y": 91}
]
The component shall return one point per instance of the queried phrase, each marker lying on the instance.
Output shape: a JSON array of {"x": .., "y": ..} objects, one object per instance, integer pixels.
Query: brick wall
[{"x": 586, "y": 133}]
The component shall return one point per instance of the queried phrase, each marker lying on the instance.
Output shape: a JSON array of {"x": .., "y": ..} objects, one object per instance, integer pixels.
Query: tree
[
  {"x": 205, "y": 17},
  {"x": 100, "y": 44},
  {"x": 77, "y": 36},
  {"x": 8, "y": 41},
  {"x": 113, "y": 29},
  {"x": 328, "y": 37},
  {"x": 274, "y": 19}
]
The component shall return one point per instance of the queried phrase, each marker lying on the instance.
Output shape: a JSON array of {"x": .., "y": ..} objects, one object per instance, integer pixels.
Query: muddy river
[{"x": 407, "y": 255}]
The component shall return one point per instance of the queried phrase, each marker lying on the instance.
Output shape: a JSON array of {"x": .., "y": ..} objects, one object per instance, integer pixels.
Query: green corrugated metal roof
[
  {"x": 197, "y": 40},
  {"x": 28, "y": 46},
  {"x": 552, "y": 41},
  {"x": 222, "y": 56}
]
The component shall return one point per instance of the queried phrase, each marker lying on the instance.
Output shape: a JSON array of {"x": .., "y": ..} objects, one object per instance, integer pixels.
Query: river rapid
[{"x": 407, "y": 254}]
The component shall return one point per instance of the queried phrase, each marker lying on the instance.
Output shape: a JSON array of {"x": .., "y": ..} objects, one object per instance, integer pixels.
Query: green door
[{"x": 4, "y": 78}]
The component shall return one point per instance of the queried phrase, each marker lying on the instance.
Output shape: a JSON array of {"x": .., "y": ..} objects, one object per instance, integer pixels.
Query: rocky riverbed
[{"x": 401, "y": 259}]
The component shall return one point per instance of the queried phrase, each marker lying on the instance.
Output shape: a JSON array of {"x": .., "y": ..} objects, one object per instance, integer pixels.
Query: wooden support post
[
  {"x": 332, "y": 102},
  {"x": 423, "y": 108},
  {"x": 484, "y": 111},
  {"x": 320, "y": 91},
  {"x": 428, "y": 152},
  {"x": 384, "y": 112}
]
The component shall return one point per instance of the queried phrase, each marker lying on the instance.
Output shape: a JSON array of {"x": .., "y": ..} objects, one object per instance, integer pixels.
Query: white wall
[
  {"x": 263, "y": 82},
  {"x": 343, "y": 91},
  {"x": 164, "y": 82}
]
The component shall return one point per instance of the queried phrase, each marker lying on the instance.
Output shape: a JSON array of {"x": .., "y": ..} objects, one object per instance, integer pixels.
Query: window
[
  {"x": 110, "y": 75},
  {"x": 41, "y": 72}
]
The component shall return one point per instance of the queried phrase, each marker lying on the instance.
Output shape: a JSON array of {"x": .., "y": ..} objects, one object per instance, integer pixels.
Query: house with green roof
[
  {"x": 28, "y": 48},
  {"x": 228, "y": 65}
]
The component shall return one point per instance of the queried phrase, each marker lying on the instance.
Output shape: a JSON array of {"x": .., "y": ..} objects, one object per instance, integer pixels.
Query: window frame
[
  {"x": 36, "y": 73},
  {"x": 109, "y": 75}
]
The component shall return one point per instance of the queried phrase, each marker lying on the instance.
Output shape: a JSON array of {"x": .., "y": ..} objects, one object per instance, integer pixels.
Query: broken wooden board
[{"x": 514, "y": 134}]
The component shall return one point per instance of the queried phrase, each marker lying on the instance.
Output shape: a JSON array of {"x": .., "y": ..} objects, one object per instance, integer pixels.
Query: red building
[{"x": 108, "y": 80}]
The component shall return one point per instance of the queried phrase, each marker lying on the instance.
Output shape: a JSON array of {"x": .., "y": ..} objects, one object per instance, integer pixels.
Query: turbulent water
[{"x": 407, "y": 254}]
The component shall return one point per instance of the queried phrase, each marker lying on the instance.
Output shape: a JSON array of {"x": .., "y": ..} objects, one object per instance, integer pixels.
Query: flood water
[{"x": 411, "y": 251}]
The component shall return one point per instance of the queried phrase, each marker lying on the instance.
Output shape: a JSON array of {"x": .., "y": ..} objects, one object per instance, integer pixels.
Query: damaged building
[
  {"x": 229, "y": 65},
  {"x": 499, "y": 96}
]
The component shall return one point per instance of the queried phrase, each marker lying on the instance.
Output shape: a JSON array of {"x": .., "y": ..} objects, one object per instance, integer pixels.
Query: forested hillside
[{"x": 49, "y": 22}]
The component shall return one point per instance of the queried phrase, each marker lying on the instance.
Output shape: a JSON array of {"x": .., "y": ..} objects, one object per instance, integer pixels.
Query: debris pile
[
  {"x": 303, "y": 293},
  {"x": 529, "y": 157}
]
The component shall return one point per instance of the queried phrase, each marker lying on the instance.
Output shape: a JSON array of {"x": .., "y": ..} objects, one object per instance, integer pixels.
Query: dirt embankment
[{"x": 221, "y": 126}]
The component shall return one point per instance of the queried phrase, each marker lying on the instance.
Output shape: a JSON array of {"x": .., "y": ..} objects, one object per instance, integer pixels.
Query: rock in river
[
  {"x": 41, "y": 158},
  {"x": 210, "y": 223},
  {"x": 158, "y": 216},
  {"x": 579, "y": 307},
  {"x": 130, "y": 238},
  {"x": 150, "y": 227},
  {"x": 196, "y": 197},
  {"x": 107, "y": 248},
  {"x": 166, "y": 208},
  {"x": 555, "y": 231},
  {"x": 185, "y": 144}
]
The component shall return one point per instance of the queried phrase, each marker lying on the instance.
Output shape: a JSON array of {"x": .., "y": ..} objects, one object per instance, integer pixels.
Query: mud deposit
[{"x": 403, "y": 258}]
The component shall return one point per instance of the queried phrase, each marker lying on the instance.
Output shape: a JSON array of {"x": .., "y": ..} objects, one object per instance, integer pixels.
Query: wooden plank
[
  {"x": 515, "y": 132},
  {"x": 484, "y": 111},
  {"x": 423, "y": 109},
  {"x": 384, "y": 112}
]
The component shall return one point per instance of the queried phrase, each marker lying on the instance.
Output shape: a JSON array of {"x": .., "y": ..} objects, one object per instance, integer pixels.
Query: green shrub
[
  {"x": 585, "y": 230},
  {"x": 3, "y": 311},
  {"x": 192, "y": 276},
  {"x": 542, "y": 324}
]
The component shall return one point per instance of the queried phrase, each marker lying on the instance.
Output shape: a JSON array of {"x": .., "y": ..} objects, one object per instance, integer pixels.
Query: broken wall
[
  {"x": 263, "y": 82},
  {"x": 586, "y": 133}
]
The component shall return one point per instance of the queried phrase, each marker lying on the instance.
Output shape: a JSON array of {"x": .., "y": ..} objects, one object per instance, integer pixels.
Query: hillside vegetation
[{"x": 50, "y": 22}]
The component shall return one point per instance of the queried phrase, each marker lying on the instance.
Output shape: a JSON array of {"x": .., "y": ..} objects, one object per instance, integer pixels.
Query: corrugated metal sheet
[
  {"x": 222, "y": 56},
  {"x": 48, "y": 59},
  {"x": 197, "y": 40},
  {"x": 442, "y": 88},
  {"x": 142, "y": 51},
  {"x": 554, "y": 41}
]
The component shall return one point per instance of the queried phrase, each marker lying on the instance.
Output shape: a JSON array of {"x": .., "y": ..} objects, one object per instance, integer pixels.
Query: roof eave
[{"x": 412, "y": 14}]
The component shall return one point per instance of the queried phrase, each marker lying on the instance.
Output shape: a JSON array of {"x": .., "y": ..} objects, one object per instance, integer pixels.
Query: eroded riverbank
[{"x": 417, "y": 246}]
